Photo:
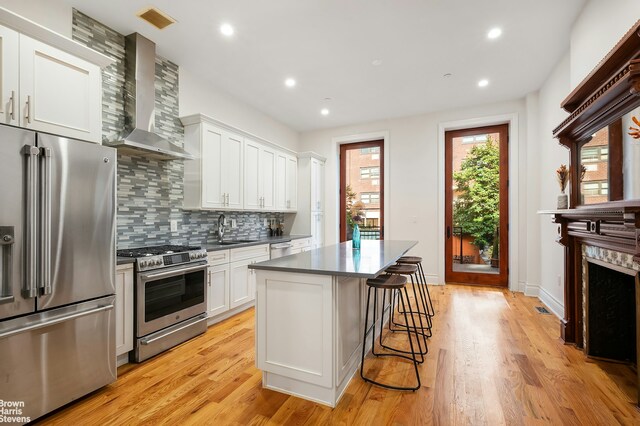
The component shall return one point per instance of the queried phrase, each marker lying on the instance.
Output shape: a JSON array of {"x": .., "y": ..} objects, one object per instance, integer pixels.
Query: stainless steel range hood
[{"x": 139, "y": 137}]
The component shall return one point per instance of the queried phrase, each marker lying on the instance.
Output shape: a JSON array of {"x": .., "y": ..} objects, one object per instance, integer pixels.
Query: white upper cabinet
[
  {"x": 310, "y": 217},
  {"x": 9, "y": 107},
  {"x": 317, "y": 185},
  {"x": 292, "y": 183},
  {"x": 252, "y": 181},
  {"x": 286, "y": 182},
  {"x": 268, "y": 173},
  {"x": 259, "y": 176},
  {"x": 214, "y": 180},
  {"x": 59, "y": 93},
  {"x": 232, "y": 165},
  {"x": 236, "y": 171},
  {"x": 47, "y": 88}
]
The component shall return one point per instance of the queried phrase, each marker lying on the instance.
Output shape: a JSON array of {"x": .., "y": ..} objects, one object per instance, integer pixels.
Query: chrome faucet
[{"x": 220, "y": 227}]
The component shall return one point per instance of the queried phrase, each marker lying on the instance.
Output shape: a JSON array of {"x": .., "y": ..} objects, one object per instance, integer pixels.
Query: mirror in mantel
[
  {"x": 631, "y": 150},
  {"x": 601, "y": 161},
  {"x": 594, "y": 158}
]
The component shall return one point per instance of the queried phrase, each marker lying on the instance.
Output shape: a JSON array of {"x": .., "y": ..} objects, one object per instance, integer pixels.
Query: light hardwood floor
[{"x": 493, "y": 360}]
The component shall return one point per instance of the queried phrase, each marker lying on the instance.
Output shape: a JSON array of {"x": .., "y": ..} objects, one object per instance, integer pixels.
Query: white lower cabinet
[
  {"x": 231, "y": 283},
  {"x": 243, "y": 281},
  {"x": 218, "y": 280},
  {"x": 124, "y": 309}
]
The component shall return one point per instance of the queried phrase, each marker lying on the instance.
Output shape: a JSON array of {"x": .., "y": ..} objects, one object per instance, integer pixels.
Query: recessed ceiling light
[
  {"x": 290, "y": 82},
  {"x": 226, "y": 29},
  {"x": 327, "y": 99},
  {"x": 447, "y": 75},
  {"x": 376, "y": 62},
  {"x": 483, "y": 83},
  {"x": 494, "y": 33},
  {"x": 324, "y": 111}
]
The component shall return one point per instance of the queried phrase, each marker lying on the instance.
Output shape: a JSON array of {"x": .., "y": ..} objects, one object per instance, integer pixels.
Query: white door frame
[
  {"x": 512, "y": 120},
  {"x": 364, "y": 137}
]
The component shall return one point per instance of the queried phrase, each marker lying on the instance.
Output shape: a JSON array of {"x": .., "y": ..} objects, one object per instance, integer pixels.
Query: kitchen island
[{"x": 309, "y": 316}]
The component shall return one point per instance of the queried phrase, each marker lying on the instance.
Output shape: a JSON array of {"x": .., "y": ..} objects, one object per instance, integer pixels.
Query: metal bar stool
[
  {"x": 393, "y": 284},
  {"x": 417, "y": 260},
  {"x": 411, "y": 271}
]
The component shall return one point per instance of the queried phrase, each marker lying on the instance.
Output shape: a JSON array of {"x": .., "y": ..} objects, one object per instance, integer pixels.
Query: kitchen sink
[{"x": 234, "y": 242}]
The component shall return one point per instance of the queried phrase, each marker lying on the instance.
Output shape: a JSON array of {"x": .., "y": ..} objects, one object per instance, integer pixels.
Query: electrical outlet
[
  {"x": 234, "y": 223},
  {"x": 559, "y": 281},
  {"x": 174, "y": 225}
]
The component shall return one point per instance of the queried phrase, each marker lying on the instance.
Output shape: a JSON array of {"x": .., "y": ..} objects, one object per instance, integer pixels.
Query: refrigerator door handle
[
  {"x": 53, "y": 321},
  {"x": 7, "y": 235},
  {"x": 45, "y": 221},
  {"x": 29, "y": 289}
]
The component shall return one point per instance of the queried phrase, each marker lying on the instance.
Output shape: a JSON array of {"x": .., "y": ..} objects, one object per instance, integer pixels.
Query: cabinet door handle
[
  {"x": 12, "y": 104},
  {"x": 28, "y": 113},
  {"x": 209, "y": 278},
  {"x": 448, "y": 232}
]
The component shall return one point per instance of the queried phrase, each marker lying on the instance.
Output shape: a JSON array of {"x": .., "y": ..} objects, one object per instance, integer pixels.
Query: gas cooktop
[
  {"x": 155, "y": 257},
  {"x": 154, "y": 250}
]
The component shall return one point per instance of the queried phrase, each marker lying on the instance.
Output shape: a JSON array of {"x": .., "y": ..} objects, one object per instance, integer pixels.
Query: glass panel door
[{"x": 477, "y": 207}]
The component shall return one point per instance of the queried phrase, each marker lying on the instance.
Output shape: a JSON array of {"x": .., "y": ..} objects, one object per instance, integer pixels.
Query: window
[
  {"x": 474, "y": 139},
  {"x": 370, "y": 197},
  {"x": 369, "y": 172},
  {"x": 370, "y": 150},
  {"x": 594, "y": 154},
  {"x": 595, "y": 188}
]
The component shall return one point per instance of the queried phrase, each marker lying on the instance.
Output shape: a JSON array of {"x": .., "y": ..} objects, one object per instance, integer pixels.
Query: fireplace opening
[{"x": 611, "y": 314}]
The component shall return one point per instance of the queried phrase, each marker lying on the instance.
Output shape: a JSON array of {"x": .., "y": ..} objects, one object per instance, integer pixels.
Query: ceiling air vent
[{"x": 155, "y": 17}]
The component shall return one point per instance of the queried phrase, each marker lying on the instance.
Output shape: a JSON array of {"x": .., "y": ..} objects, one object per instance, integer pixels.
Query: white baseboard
[
  {"x": 229, "y": 313},
  {"x": 531, "y": 289},
  {"x": 433, "y": 279},
  {"x": 552, "y": 303},
  {"x": 122, "y": 359}
]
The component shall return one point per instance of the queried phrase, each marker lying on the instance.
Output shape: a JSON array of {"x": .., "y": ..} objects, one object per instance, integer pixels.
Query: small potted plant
[{"x": 562, "y": 175}]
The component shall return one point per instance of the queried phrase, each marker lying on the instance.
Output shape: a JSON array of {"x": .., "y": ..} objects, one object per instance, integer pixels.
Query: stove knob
[
  {"x": 158, "y": 262},
  {"x": 143, "y": 264},
  {"x": 192, "y": 256}
]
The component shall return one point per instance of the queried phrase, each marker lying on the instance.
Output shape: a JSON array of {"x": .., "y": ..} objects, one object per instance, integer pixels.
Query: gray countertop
[
  {"x": 215, "y": 247},
  {"x": 340, "y": 259},
  {"x": 266, "y": 240}
]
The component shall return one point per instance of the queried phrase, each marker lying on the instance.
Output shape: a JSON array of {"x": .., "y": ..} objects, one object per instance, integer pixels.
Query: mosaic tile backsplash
[{"x": 150, "y": 192}]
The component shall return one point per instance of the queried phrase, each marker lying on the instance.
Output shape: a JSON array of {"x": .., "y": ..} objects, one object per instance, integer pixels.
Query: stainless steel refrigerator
[{"x": 57, "y": 269}]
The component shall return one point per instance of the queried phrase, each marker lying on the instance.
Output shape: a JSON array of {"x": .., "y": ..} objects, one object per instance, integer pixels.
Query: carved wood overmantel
[{"x": 609, "y": 92}]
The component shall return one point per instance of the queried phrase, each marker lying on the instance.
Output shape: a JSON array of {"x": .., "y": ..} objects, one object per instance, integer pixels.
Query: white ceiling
[{"x": 328, "y": 46}]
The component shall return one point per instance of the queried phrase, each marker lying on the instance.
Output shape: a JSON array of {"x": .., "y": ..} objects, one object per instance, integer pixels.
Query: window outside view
[
  {"x": 363, "y": 188},
  {"x": 476, "y": 202}
]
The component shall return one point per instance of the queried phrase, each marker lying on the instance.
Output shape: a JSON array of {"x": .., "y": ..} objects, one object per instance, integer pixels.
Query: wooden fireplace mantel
[{"x": 615, "y": 226}]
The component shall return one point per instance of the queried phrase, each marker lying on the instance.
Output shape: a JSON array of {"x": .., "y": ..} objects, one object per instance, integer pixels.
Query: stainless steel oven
[{"x": 170, "y": 297}]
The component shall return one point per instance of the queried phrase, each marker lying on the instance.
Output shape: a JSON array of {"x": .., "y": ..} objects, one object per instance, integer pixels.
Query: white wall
[
  {"x": 198, "y": 96},
  {"x": 600, "y": 25},
  {"x": 551, "y": 155},
  {"x": 53, "y": 14},
  {"x": 413, "y": 154}
]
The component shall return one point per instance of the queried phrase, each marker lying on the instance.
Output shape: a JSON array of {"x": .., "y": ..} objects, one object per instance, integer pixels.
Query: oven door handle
[{"x": 173, "y": 272}]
